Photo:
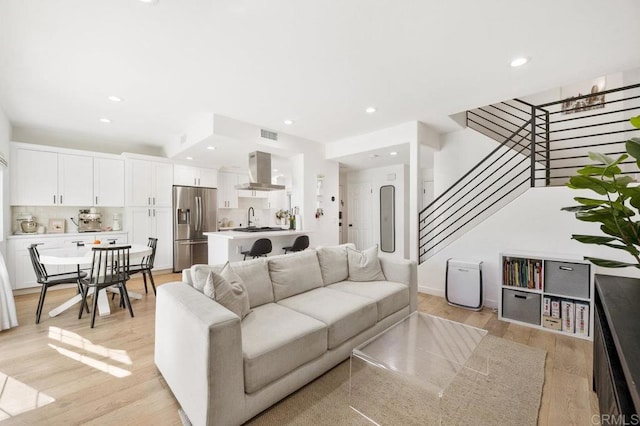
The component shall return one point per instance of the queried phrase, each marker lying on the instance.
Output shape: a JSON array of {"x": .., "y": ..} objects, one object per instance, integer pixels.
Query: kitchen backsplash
[
  {"x": 43, "y": 214},
  {"x": 238, "y": 217}
]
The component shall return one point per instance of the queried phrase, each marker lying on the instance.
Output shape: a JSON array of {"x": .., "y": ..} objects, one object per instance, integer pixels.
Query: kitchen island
[{"x": 226, "y": 245}]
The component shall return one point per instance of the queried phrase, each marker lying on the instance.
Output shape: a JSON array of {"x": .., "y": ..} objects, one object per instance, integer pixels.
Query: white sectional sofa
[{"x": 306, "y": 318}]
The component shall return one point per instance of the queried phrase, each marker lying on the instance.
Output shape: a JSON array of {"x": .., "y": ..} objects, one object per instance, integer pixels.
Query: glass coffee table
[{"x": 401, "y": 375}]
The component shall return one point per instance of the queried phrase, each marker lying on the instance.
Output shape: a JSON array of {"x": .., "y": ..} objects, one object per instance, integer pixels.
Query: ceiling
[{"x": 319, "y": 63}]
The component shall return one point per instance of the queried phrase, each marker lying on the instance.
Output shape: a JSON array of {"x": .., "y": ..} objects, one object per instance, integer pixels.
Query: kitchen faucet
[{"x": 250, "y": 213}]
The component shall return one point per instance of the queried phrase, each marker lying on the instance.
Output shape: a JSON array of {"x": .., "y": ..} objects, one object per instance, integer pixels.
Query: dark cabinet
[{"x": 616, "y": 343}]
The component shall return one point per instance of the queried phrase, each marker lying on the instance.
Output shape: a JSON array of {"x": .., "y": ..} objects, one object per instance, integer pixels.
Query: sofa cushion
[
  {"x": 345, "y": 314},
  {"x": 333, "y": 263},
  {"x": 199, "y": 274},
  {"x": 277, "y": 340},
  {"x": 255, "y": 274},
  {"x": 228, "y": 289},
  {"x": 294, "y": 274},
  {"x": 390, "y": 297},
  {"x": 364, "y": 265}
]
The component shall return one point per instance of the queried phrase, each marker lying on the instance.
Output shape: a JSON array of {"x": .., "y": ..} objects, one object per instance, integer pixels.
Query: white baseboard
[{"x": 430, "y": 290}]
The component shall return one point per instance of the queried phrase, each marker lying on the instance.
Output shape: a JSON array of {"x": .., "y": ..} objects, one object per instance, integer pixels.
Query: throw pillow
[
  {"x": 364, "y": 265},
  {"x": 228, "y": 289},
  {"x": 333, "y": 264}
]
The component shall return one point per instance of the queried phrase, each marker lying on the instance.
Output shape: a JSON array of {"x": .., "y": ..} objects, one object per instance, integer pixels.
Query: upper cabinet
[
  {"x": 195, "y": 176},
  {"x": 45, "y": 178},
  {"x": 227, "y": 192},
  {"x": 108, "y": 182},
  {"x": 149, "y": 183}
]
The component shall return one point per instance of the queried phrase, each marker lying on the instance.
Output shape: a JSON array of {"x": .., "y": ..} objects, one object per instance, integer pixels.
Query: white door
[
  {"x": 140, "y": 183},
  {"x": 208, "y": 178},
  {"x": 163, "y": 225},
  {"x": 34, "y": 178},
  {"x": 139, "y": 224},
  {"x": 75, "y": 180},
  {"x": 163, "y": 183},
  {"x": 108, "y": 182},
  {"x": 185, "y": 175},
  {"x": 360, "y": 223},
  {"x": 427, "y": 193}
]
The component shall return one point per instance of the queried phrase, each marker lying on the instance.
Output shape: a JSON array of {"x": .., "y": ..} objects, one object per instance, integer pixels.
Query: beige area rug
[{"x": 506, "y": 392}]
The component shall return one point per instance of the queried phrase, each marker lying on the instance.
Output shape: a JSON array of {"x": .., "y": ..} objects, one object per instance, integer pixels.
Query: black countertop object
[
  {"x": 620, "y": 298},
  {"x": 259, "y": 229}
]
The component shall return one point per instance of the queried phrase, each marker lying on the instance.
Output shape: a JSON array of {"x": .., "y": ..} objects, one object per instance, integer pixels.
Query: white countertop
[
  {"x": 238, "y": 235},
  {"x": 66, "y": 234}
]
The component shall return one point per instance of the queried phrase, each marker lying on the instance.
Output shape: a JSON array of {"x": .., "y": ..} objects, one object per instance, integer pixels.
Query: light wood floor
[{"x": 106, "y": 375}]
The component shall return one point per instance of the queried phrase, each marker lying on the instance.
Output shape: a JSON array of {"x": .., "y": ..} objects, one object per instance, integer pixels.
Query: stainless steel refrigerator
[{"x": 194, "y": 212}]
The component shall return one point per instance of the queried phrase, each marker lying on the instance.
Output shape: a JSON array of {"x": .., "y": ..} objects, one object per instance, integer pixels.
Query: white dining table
[{"x": 81, "y": 256}]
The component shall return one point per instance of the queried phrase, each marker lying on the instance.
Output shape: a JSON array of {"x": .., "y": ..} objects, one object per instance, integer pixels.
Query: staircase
[{"x": 538, "y": 145}]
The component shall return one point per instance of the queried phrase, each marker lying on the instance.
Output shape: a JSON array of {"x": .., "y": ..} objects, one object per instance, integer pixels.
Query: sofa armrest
[
  {"x": 186, "y": 276},
  {"x": 404, "y": 272},
  {"x": 198, "y": 350}
]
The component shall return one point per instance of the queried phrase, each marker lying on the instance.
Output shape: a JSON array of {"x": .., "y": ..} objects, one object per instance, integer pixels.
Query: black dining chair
[
  {"x": 146, "y": 265},
  {"x": 300, "y": 244},
  {"x": 49, "y": 280},
  {"x": 110, "y": 267},
  {"x": 260, "y": 248}
]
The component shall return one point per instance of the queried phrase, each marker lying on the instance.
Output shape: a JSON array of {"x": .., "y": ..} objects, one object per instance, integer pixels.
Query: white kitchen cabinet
[
  {"x": 149, "y": 183},
  {"x": 108, "y": 182},
  {"x": 227, "y": 192},
  {"x": 45, "y": 178},
  {"x": 75, "y": 180},
  {"x": 248, "y": 193},
  {"x": 145, "y": 222},
  {"x": 195, "y": 176}
]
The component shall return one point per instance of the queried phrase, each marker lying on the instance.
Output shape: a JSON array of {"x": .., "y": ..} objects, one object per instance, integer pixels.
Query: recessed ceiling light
[
  {"x": 288, "y": 122},
  {"x": 393, "y": 153},
  {"x": 211, "y": 148},
  {"x": 518, "y": 62},
  {"x": 370, "y": 110},
  {"x": 114, "y": 98},
  {"x": 149, "y": 1},
  {"x": 189, "y": 158},
  {"x": 275, "y": 170},
  {"x": 105, "y": 120}
]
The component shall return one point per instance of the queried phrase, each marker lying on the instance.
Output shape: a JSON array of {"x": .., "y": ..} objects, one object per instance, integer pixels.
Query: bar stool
[
  {"x": 260, "y": 248},
  {"x": 300, "y": 243}
]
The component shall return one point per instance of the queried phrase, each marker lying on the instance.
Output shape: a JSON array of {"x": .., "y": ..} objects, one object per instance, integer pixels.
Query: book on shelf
[
  {"x": 522, "y": 272},
  {"x": 582, "y": 318},
  {"x": 568, "y": 316}
]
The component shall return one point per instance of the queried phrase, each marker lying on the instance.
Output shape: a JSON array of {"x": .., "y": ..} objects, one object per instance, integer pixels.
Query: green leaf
[
  {"x": 594, "y": 171},
  {"x": 587, "y": 182},
  {"x": 601, "y": 158},
  {"x": 635, "y": 122},
  {"x": 623, "y": 181},
  {"x": 610, "y": 263},
  {"x": 578, "y": 208},
  {"x": 593, "y": 239},
  {"x": 633, "y": 148},
  {"x": 589, "y": 201}
]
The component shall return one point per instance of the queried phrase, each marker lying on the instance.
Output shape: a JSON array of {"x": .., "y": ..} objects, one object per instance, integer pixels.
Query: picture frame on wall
[
  {"x": 572, "y": 100},
  {"x": 56, "y": 226}
]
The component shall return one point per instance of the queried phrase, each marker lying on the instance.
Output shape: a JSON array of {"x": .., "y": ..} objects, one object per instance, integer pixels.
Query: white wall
[
  {"x": 531, "y": 223},
  {"x": 459, "y": 152},
  {"x": 382, "y": 176}
]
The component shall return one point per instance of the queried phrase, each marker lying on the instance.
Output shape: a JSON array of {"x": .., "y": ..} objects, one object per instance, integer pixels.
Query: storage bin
[
  {"x": 521, "y": 306},
  {"x": 567, "y": 279}
]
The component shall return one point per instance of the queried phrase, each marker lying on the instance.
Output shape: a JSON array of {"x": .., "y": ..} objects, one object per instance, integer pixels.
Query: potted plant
[
  {"x": 282, "y": 215},
  {"x": 616, "y": 207}
]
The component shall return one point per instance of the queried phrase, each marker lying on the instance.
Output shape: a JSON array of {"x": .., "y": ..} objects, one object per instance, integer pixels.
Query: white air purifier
[{"x": 463, "y": 286}]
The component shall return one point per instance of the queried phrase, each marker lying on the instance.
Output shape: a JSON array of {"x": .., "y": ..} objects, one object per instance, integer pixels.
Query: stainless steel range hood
[{"x": 260, "y": 173}]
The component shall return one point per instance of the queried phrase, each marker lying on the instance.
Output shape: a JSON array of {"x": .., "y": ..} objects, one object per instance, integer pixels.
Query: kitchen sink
[{"x": 258, "y": 229}]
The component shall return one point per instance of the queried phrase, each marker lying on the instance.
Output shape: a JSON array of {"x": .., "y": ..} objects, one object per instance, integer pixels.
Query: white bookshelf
[{"x": 560, "y": 278}]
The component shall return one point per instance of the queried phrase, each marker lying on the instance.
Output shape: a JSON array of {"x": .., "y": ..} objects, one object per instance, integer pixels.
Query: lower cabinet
[{"x": 144, "y": 222}]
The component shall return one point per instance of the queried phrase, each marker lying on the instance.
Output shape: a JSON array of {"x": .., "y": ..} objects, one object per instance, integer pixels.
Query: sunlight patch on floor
[
  {"x": 17, "y": 398},
  {"x": 77, "y": 341},
  {"x": 92, "y": 362}
]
